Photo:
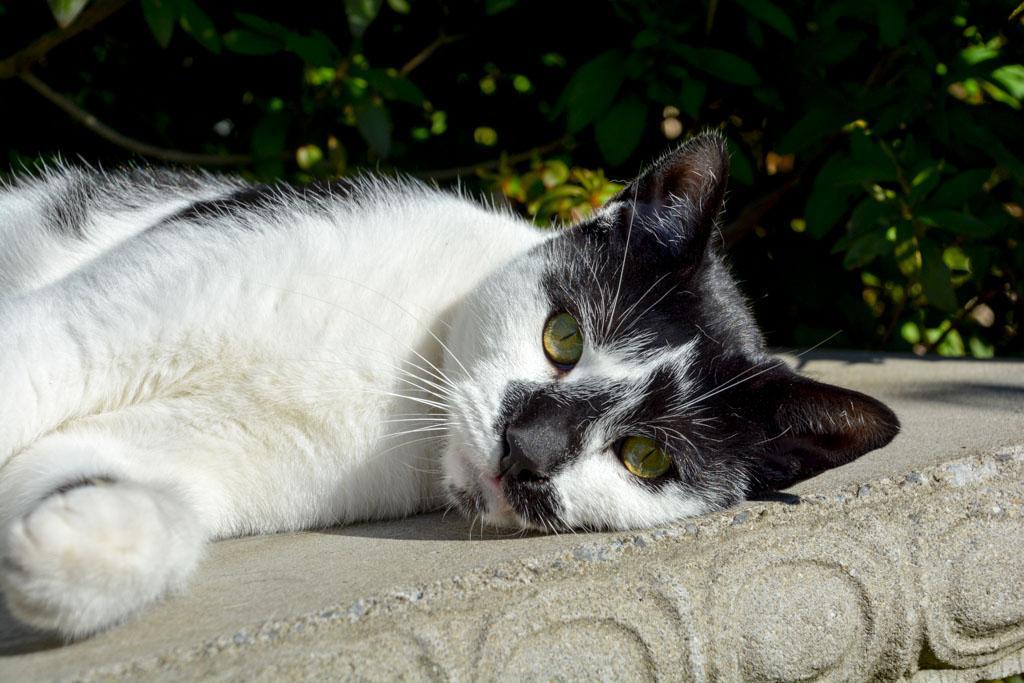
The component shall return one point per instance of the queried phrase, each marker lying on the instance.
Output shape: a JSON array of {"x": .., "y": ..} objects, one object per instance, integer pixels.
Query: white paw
[{"x": 88, "y": 558}]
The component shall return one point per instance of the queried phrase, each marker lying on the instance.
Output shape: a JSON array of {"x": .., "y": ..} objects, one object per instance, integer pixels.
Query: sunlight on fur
[{"x": 188, "y": 357}]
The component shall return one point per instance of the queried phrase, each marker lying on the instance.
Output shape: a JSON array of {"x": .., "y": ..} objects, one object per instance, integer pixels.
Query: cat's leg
[
  {"x": 110, "y": 512},
  {"x": 86, "y": 538}
]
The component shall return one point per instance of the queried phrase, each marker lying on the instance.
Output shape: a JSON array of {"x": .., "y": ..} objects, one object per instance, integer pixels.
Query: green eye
[
  {"x": 563, "y": 339},
  {"x": 644, "y": 457}
]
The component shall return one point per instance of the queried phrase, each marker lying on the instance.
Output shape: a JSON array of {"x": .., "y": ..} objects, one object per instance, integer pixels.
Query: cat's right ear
[{"x": 672, "y": 208}]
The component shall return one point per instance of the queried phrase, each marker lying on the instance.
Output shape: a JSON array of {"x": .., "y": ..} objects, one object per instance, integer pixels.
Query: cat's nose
[
  {"x": 518, "y": 461},
  {"x": 532, "y": 449}
]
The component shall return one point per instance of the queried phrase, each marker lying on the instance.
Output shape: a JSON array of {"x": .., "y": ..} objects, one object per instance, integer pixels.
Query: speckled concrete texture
[{"x": 906, "y": 565}]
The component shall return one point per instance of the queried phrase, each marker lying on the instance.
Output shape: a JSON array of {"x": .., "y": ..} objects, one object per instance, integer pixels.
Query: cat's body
[{"x": 184, "y": 358}]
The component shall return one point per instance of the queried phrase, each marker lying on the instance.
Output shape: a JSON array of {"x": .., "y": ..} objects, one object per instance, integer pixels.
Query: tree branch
[
  {"x": 125, "y": 142},
  {"x": 754, "y": 212},
  {"x": 424, "y": 54},
  {"x": 20, "y": 61},
  {"x": 956, "y": 320}
]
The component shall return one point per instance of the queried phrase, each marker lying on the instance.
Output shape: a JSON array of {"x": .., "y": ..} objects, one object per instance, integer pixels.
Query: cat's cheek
[
  {"x": 597, "y": 492},
  {"x": 455, "y": 470}
]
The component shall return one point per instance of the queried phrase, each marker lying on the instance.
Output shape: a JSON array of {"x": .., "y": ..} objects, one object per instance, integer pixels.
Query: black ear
[
  {"x": 813, "y": 427},
  {"x": 674, "y": 205}
]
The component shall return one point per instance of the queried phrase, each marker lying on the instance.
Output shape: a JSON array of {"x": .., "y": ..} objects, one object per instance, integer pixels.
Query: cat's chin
[
  {"x": 478, "y": 494},
  {"x": 492, "y": 511}
]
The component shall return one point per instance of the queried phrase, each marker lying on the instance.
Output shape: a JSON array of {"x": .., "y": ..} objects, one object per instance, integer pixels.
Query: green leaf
[
  {"x": 754, "y": 33},
  {"x": 374, "y": 123},
  {"x": 261, "y": 25},
  {"x": 400, "y": 6},
  {"x": 860, "y": 172},
  {"x": 984, "y": 139},
  {"x": 812, "y": 126},
  {"x": 492, "y": 7},
  {"x": 361, "y": 14},
  {"x": 592, "y": 89},
  {"x": 770, "y": 15},
  {"x": 871, "y": 215},
  {"x": 957, "y": 223},
  {"x": 952, "y": 345},
  {"x": 865, "y": 149},
  {"x": 316, "y": 49},
  {"x": 394, "y": 87},
  {"x": 825, "y": 207},
  {"x": 935, "y": 277},
  {"x": 976, "y": 54},
  {"x": 199, "y": 25},
  {"x": 646, "y": 38},
  {"x": 924, "y": 182},
  {"x": 161, "y": 15},
  {"x": 620, "y": 130},
  {"x": 740, "y": 168},
  {"x": 956, "y": 259},
  {"x": 692, "y": 96},
  {"x": 1000, "y": 95},
  {"x": 1011, "y": 77},
  {"x": 268, "y": 141},
  {"x": 892, "y": 21},
  {"x": 959, "y": 189},
  {"x": 769, "y": 97},
  {"x": 839, "y": 47},
  {"x": 661, "y": 93},
  {"x": 982, "y": 349},
  {"x": 246, "y": 42},
  {"x": 719, "y": 63},
  {"x": 66, "y": 11},
  {"x": 867, "y": 164},
  {"x": 866, "y": 249}
]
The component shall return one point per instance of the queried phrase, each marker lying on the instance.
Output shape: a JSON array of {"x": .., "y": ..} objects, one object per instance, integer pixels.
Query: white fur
[
  {"x": 247, "y": 378},
  {"x": 297, "y": 367}
]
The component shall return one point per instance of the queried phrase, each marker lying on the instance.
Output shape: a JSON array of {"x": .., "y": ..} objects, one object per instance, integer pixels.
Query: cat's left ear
[
  {"x": 673, "y": 207},
  {"x": 813, "y": 427}
]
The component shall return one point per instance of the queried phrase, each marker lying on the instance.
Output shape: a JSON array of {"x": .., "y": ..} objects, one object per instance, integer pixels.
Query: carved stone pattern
[
  {"x": 940, "y": 585},
  {"x": 975, "y": 612}
]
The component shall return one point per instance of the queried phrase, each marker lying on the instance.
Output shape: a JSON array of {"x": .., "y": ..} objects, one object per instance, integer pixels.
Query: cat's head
[{"x": 612, "y": 377}]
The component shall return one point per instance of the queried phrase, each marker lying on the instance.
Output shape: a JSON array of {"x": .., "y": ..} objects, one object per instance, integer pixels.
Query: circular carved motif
[
  {"x": 593, "y": 628},
  {"x": 807, "y": 633},
  {"x": 613, "y": 652},
  {"x": 975, "y": 580},
  {"x": 812, "y": 604},
  {"x": 329, "y": 656}
]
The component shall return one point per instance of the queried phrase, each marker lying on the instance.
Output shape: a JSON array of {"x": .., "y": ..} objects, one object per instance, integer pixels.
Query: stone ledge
[
  {"x": 873, "y": 583},
  {"x": 912, "y": 575}
]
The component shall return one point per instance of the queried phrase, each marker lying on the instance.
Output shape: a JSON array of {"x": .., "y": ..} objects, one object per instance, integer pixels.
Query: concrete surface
[{"x": 905, "y": 565}]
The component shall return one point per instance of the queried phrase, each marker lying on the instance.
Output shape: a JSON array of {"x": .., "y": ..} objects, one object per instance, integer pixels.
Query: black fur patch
[
  {"x": 558, "y": 409},
  {"x": 652, "y": 276},
  {"x": 237, "y": 202},
  {"x": 67, "y": 209},
  {"x": 79, "y": 483},
  {"x": 265, "y": 197}
]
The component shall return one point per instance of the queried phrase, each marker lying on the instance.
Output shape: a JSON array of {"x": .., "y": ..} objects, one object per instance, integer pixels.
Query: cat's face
[{"x": 613, "y": 378}]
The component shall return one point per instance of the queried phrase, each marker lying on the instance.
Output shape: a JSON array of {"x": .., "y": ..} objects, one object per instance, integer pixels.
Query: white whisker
[{"x": 625, "y": 254}]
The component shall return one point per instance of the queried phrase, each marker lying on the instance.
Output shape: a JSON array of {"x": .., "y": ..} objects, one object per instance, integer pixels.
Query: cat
[{"x": 187, "y": 357}]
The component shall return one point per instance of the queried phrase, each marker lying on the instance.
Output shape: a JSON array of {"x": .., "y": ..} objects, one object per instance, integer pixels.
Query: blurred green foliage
[{"x": 877, "y": 145}]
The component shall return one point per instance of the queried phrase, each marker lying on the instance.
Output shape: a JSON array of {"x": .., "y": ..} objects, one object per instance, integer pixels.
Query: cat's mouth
[{"x": 482, "y": 494}]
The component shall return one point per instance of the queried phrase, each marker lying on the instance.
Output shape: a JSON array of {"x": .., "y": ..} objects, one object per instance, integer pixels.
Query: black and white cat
[{"x": 187, "y": 357}]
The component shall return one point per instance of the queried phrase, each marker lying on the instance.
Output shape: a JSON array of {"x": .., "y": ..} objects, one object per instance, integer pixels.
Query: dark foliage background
[{"x": 877, "y": 145}]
